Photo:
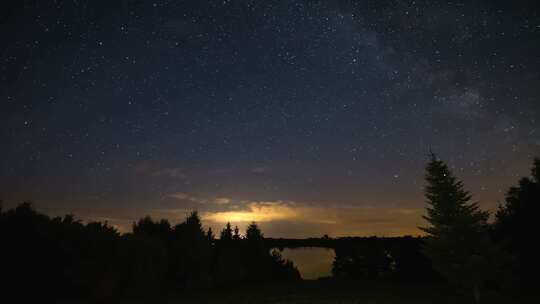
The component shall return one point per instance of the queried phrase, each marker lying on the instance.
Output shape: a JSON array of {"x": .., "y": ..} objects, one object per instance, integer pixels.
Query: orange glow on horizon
[{"x": 258, "y": 212}]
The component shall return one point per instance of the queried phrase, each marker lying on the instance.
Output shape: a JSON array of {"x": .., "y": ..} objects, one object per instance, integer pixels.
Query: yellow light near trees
[{"x": 258, "y": 212}]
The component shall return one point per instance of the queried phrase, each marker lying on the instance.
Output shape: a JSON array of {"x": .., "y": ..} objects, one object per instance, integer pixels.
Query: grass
[
  {"x": 331, "y": 292},
  {"x": 327, "y": 292}
]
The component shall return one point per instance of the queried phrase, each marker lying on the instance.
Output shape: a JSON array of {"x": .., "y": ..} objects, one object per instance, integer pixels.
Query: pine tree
[
  {"x": 190, "y": 252},
  {"x": 457, "y": 240},
  {"x": 515, "y": 226},
  {"x": 236, "y": 235},
  {"x": 210, "y": 235},
  {"x": 253, "y": 233},
  {"x": 226, "y": 234},
  {"x": 193, "y": 224}
]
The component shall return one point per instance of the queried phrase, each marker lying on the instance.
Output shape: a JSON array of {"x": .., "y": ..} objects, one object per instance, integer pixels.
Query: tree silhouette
[
  {"x": 236, "y": 235},
  {"x": 369, "y": 260},
  {"x": 210, "y": 235},
  {"x": 191, "y": 251},
  {"x": 514, "y": 225},
  {"x": 148, "y": 227},
  {"x": 228, "y": 262},
  {"x": 253, "y": 233},
  {"x": 95, "y": 263},
  {"x": 458, "y": 243},
  {"x": 226, "y": 233}
]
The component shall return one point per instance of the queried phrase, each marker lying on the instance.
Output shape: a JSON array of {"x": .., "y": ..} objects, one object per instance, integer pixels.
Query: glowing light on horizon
[{"x": 258, "y": 212}]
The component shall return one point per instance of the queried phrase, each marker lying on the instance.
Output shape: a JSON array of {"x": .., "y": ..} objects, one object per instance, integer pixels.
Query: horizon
[{"x": 265, "y": 214}]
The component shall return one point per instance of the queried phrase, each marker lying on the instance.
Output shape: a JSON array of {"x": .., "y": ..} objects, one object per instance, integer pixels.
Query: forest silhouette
[{"x": 63, "y": 259}]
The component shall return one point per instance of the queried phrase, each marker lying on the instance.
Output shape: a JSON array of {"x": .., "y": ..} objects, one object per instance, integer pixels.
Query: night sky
[{"x": 309, "y": 117}]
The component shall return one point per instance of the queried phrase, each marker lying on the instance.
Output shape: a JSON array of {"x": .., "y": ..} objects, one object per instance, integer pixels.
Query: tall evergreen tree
[
  {"x": 236, "y": 235},
  {"x": 226, "y": 233},
  {"x": 193, "y": 225},
  {"x": 191, "y": 251},
  {"x": 228, "y": 259},
  {"x": 514, "y": 225},
  {"x": 210, "y": 235},
  {"x": 147, "y": 226},
  {"x": 457, "y": 240},
  {"x": 253, "y": 233}
]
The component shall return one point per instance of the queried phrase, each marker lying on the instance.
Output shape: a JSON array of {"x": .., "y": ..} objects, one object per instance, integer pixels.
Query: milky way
[{"x": 310, "y": 117}]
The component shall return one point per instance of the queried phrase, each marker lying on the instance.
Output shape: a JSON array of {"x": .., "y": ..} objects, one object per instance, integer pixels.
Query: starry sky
[{"x": 309, "y": 117}]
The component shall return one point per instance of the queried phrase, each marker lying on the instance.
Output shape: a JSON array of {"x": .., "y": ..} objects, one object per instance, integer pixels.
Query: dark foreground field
[{"x": 329, "y": 291}]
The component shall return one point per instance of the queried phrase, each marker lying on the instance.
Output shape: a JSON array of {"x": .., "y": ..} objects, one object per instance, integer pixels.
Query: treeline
[
  {"x": 361, "y": 258},
  {"x": 394, "y": 258},
  {"x": 61, "y": 258},
  {"x": 472, "y": 254},
  {"x": 461, "y": 246}
]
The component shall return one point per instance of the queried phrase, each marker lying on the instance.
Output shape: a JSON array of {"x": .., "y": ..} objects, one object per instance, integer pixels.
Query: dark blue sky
[{"x": 308, "y": 116}]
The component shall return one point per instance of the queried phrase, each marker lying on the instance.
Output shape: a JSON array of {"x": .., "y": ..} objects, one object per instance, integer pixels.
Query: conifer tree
[
  {"x": 193, "y": 225},
  {"x": 226, "y": 234},
  {"x": 515, "y": 224},
  {"x": 253, "y": 233},
  {"x": 210, "y": 235},
  {"x": 236, "y": 235},
  {"x": 457, "y": 240}
]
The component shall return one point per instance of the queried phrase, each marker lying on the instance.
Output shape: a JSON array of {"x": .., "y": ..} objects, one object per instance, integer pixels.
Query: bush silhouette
[
  {"x": 514, "y": 226},
  {"x": 63, "y": 259}
]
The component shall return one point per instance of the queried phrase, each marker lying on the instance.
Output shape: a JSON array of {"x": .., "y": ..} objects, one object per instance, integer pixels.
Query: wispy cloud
[
  {"x": 303, "y": 218},
  {"x": 222, "y": 200},
  {"x": 200, "y": 200},
  {"x": 259, "y": 169},
  {"x": 183, "y": 196},
  {"x": 169, "y": 172},
  {"x": 255, "y": 211},
  {"x": 153, "y": 169},
  {"x": 282, "y": 218},
  {"x": 345, "y": 220}
]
